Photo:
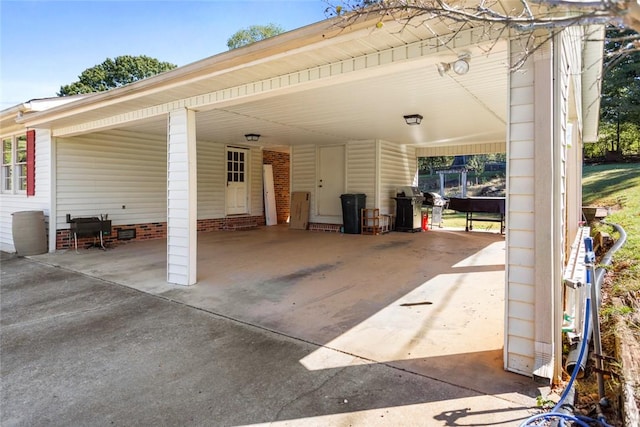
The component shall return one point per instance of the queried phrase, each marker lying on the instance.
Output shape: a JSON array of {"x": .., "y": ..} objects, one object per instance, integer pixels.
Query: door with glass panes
[{"x": 237, "y": 186}]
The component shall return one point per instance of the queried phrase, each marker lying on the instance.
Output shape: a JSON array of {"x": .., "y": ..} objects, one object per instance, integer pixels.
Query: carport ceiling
[{"x": 465, "y": 109}]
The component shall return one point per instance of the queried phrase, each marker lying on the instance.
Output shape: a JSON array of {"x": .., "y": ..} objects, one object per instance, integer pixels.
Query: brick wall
[
  {"x": 280, "y": 163},
  {"x": 156, "y": 230}
]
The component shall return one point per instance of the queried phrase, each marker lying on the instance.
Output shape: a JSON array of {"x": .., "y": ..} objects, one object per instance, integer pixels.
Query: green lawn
[{"x": 618, "y": 186}]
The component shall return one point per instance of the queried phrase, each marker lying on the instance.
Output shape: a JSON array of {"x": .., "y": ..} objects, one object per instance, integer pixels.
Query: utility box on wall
[{"x": 299, "y": 210}]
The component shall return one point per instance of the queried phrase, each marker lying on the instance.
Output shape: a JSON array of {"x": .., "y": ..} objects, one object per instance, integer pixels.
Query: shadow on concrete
[{"x": 80, "y": 351}]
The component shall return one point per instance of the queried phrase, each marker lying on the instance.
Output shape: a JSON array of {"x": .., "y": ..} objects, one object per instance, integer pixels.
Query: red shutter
[{"x": 31, "y": 163}]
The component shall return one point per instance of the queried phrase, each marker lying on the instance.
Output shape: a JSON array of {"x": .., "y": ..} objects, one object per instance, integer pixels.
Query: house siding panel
[
  {"x": 41, "y": 201},
  {"x": 303, "y": 173},
  {"x": 361, "y": 170},
  {"x": 101, "y": 173},
  {"x": 256, "y": 198},
  {"x": 519, "y": 341},
  {"x": 398, "y": 167}
]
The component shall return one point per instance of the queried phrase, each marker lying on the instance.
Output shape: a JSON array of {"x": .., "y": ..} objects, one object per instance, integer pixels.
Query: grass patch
[{"x": 618, "y": 186}]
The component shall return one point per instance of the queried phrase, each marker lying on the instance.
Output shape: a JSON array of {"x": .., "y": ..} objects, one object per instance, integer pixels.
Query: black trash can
[{"x": 351, "y": 212}]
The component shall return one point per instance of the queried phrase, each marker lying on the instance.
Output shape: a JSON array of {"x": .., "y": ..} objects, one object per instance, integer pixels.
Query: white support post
[
  {"x": 546, "y": 213},
  {"x": 181, "y": 198}
]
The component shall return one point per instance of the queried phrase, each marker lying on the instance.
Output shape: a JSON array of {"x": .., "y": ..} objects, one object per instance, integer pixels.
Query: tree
[
  {"x": 253, "y": 34},
  {"x": 114, "y": 73},
  {"x": 620, "y": 101}
]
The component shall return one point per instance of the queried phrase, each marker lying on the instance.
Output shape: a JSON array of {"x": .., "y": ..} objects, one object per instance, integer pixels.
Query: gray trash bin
[{"x": 29, "y": 233}]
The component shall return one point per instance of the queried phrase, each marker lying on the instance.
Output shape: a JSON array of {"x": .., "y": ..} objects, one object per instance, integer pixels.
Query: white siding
[
  {"x": 256, "y": 198},
  {"x": 398, "y": 167},
  {"x": 361, "y": 170},
  {"x": 211, "y": 180},
  {"x": 374, "y": 168},
  {"x": 182, "y": 198},
  {"x": 10, "y": 203},
  {"x": 461, "y": 150},
  {"x": 519, "y": 328},
  {"x": 303, "y": 173},
  {"x": 100, "y": 173}
]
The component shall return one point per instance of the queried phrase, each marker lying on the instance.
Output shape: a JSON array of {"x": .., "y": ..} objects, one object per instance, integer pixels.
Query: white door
[
  {"x": 237, "y": 177},
  {"x": 270, "y": 213},
  {"x": 330, "y": 180}
]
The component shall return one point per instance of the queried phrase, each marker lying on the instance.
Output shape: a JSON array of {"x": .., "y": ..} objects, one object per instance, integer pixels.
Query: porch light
[
  {"x": 252, "y": 137},
  {"x": 413, "y": 119},
  {"x": 460, "y": 66}
]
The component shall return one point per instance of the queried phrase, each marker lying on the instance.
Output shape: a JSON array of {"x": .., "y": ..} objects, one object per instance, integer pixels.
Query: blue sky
[{"x": 47, "y": 44}]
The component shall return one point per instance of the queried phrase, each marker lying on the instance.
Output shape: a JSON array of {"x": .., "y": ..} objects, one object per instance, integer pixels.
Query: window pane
[
  {"x": 6, "y": 178},
  {"x": 235, "y": 156},
  {"x": 229, "y": 177},
  {"x": 242, "y": 157},
  {"x": 229, "y": 155},
  {"x": 22, "y": 179},
  {"x": 229, "y": 166},
  {"x": 22, "y": 142},
  {"x": 241, "y": 167},
  {"x": 6, "y": 151},
  {"x": 241, "y": 179},
  {"x": 21, "y": 149},
  {"x": 235, "y": 167}
]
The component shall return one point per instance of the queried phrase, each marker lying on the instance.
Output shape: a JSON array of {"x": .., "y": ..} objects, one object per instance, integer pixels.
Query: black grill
[{"x": 95, "y": 227}]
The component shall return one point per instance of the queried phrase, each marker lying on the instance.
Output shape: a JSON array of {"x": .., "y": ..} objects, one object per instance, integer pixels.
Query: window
[
  {"x": 7, "y": 164},
  {"x": 15, "y": 164},
  {"x": 235, "y": 166}
]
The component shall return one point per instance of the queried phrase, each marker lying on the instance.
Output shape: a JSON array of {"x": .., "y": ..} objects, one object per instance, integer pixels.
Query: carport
[{"x": 334, "y": 97}]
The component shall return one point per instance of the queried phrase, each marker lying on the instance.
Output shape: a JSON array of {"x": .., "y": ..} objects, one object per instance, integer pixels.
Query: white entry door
[
  {"x": 237, "y": 177},
  {"x": 330, "y": 180}
]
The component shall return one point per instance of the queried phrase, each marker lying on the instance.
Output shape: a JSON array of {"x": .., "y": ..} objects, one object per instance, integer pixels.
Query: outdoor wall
[
  {"x": 121, "y": 174},
  {"x": 520, "y": 231},
  {"x": 361, "y": 170},
  {"x": 398, "y": 167},
  {"x": 256, "y": 187},
  {"x": 303, "y": 173},
  {"x": 542, "y": 183},
  {"x": 211, "y": 180},
  {"x": 100, "y": 173},
  {"x": 41, "y": 201},
  {"x": 375, "y": 168},
  {"x": 281, "y": 164}
]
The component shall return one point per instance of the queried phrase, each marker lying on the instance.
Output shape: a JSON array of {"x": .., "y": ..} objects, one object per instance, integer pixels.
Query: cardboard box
[{"x": 299, "y": 210}]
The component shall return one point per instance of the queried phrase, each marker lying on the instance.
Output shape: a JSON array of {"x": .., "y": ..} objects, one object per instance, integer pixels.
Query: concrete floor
[{"x": 429, "y": 305}]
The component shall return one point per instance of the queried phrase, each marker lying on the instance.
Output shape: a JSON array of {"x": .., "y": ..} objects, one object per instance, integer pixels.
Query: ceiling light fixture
[
  {"x": 413, "y": 119},
  {"x": 252, "y": 137}
]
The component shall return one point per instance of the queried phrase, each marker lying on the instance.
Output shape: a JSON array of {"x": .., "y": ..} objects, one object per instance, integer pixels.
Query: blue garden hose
[{"x": 554, "y": 412}]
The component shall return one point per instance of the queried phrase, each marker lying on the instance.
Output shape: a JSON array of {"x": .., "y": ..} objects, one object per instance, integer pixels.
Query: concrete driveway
[{"x": 284, "y": 327}]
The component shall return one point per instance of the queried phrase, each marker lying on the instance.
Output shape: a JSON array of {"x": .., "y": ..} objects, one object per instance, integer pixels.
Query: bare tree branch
[{"x": 544, "y": 18}]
